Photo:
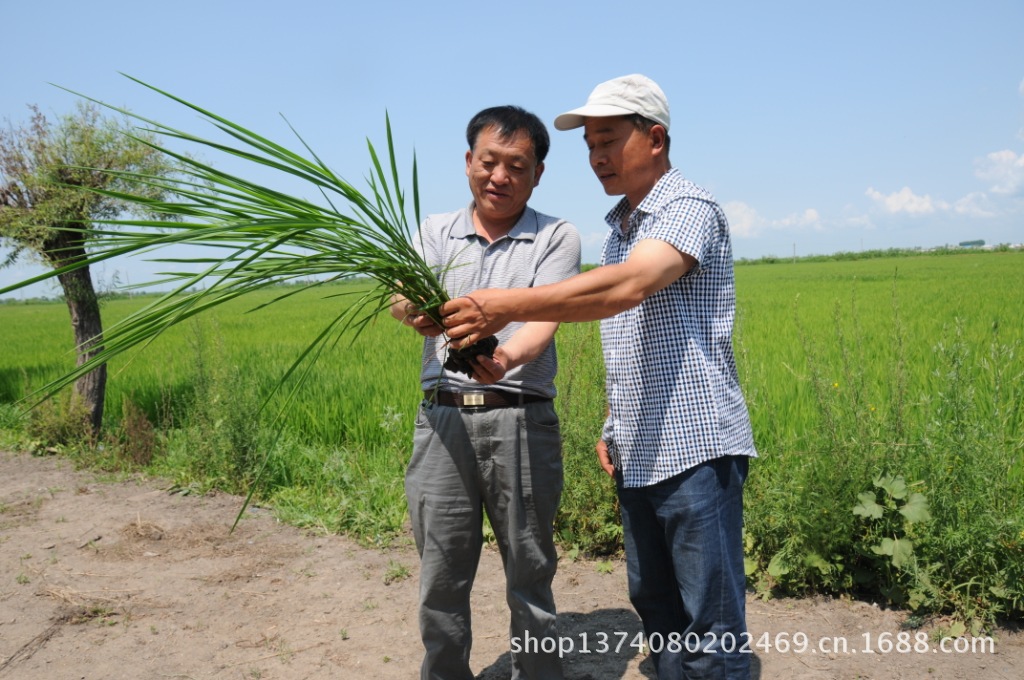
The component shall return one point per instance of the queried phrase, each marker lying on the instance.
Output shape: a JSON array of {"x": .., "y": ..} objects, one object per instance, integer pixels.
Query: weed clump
[{"x": 60, "y": 422}]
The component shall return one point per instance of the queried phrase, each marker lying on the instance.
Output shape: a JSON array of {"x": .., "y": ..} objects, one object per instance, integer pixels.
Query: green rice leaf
[{"x": 255, "y": 236}]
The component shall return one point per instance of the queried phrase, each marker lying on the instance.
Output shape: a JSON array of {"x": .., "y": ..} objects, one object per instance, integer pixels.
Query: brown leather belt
[{"x": 481, "y": 398}]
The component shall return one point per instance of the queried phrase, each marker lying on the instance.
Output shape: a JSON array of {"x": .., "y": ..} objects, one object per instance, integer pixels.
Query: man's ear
[
  {"x": 658, "y": 135},
  {"x": 469, "y": 161},
  {"x": 538, "y": 171}
]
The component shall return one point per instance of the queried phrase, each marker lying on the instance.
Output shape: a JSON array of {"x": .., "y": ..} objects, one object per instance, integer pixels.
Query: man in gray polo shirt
[{"x": 490, "y": 441}]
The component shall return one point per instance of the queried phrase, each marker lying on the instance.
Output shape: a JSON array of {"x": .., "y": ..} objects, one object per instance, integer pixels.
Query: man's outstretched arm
[{"x": 596, "y": 294}]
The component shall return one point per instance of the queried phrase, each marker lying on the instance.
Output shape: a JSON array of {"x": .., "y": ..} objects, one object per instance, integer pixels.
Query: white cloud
[
  {"x": 1004, "y": 169},
  {"x": 744, "y": 222},
  {"x": 975, "y": 204},
  {"x": 808, "y": 218},
  {"x": 906, "y": 201}
]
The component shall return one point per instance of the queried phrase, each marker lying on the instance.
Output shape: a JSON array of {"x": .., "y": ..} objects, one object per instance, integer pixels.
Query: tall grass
[
  {"x": 588, "y": 519},
  {"x": 886, "y": 400},
  {"x": 885, "y": 396}
]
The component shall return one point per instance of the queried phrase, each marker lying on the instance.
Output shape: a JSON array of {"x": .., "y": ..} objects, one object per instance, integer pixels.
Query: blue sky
[{"x": 819, "y": 126}]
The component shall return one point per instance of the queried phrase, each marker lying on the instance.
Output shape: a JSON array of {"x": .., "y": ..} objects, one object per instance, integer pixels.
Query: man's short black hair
[{"x": 509, "y": 120}]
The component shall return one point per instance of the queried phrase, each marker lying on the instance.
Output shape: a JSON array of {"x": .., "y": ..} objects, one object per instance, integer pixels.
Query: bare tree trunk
[{"x": 84, "y": 308}]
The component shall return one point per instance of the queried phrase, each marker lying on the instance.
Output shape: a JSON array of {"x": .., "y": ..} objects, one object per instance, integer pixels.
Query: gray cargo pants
[{"x": 509, "y": 462}]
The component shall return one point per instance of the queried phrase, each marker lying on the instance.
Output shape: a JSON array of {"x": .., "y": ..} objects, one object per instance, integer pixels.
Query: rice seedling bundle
[{"x": 253, "y": 237}]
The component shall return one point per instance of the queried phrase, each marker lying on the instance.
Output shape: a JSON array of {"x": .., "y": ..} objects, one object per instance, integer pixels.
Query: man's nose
[{"x": 500, "y": 174}]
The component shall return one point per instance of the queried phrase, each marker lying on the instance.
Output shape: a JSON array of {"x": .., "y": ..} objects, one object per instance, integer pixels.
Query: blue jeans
[{"x": 684, "y": 560}]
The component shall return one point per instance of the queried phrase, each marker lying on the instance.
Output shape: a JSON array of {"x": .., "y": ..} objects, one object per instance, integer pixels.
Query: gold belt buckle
[{"x": 472, "y": 398}]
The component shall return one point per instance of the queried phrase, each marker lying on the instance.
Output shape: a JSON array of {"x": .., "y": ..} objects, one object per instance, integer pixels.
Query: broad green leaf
[
  {"x": 916, "y": 508},
  {"x": 903, "y": 556},
  {"x": 867, "y": 507},
  {"x": 779, "y": 566},
  {"x": 896, "y": 487},
  {"x": 901, "y": 550},
  {"x": 815, "y": 560}
]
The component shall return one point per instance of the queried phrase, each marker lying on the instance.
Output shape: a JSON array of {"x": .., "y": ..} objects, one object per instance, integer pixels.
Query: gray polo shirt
[{"x": 537, "y": 251}]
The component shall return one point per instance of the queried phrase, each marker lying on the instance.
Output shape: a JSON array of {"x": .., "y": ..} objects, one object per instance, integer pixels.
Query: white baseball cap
[{"x": 621, "y": 96}]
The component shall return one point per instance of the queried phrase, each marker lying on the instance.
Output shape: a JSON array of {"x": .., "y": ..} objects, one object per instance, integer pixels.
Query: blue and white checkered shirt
[{"x": 673, "y": 392}]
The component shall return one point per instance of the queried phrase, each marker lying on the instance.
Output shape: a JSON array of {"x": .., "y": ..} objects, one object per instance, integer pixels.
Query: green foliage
[
  {"x": 136, "y": 439},
  {"x": 889, "y": 515},
  {"x": 878, "y": 253},
  {"x": 253, "y": 236},
  {"x": 847, "y": 405},
  {"x": 222, "y": 435},
  {"x": 48, "y": 172},
  {"x": 396, "y": 572},
  {"x": 60, "y": 424},
  {"x": 588, "y": 517},
  {"x": 358, "y": 492},
  {"x": 11, "y": 417},
  {"x": 56, "y": 180},
  {"x": 903, "y": 396}
]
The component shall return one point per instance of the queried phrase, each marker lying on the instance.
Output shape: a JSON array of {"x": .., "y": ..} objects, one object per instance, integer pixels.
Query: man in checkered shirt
[{"x": 677, "y": 439}]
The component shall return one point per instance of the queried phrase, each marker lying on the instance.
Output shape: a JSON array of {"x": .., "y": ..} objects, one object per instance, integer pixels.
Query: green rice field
[{"x": 885, "y": 395}]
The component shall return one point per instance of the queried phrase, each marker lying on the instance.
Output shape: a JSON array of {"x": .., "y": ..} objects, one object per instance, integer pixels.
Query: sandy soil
[{"x": 105, "y": 580}]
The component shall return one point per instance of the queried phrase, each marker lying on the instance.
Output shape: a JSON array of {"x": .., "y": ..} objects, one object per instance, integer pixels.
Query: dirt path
[{"x": 102, "y": 580}]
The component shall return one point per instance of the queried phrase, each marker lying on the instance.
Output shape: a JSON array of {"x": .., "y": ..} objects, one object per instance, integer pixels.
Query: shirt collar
[
  {"x": 524, "y": 230},
  {"x": 651, "y": 202}
]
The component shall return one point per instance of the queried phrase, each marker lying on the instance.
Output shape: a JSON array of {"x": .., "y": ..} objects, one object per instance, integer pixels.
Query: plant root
[{"x": 460, "y": 360}]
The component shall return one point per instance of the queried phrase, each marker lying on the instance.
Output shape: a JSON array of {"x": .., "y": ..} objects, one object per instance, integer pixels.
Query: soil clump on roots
[{"x": 460, "y": 360}]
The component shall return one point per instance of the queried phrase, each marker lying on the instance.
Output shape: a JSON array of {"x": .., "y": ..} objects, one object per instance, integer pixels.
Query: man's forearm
[
  {"x": 596, "y": 294},
  {"x": 529, "y": 342},
  {"x": 586, "y": 297}
]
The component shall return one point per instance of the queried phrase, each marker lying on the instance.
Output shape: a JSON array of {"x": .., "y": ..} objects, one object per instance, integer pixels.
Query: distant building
[{"x": 972, "y": 244}]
